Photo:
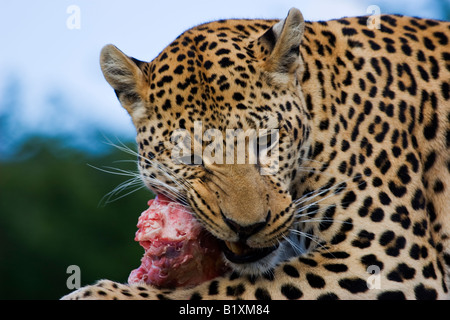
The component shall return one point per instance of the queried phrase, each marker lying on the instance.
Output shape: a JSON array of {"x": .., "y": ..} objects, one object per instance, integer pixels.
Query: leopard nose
[{"x": 244, "y": 232}]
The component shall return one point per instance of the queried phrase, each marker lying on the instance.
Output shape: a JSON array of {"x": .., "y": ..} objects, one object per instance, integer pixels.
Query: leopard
[{"x": 356, "y": 205}]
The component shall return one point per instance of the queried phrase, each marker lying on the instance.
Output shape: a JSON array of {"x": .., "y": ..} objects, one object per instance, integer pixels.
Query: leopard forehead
[{"x": 212, "y": 73}]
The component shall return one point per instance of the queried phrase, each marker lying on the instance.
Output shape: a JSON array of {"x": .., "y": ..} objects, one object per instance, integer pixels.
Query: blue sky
[{"x": 62, "y": 90}]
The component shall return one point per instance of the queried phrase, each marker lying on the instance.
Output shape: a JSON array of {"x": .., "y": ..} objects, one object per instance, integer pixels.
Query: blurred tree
[
  {"x": 445, "y": 6},
  {"x": 50, "y": 218},
  {"x": 10, "y": 110}
]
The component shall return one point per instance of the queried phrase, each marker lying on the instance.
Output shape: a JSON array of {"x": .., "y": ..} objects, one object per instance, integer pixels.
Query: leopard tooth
[{"x": 234, "y": 247}]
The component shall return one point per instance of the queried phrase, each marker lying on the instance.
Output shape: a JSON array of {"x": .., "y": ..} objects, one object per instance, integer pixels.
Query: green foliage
[{"x": 51, "y": 217}]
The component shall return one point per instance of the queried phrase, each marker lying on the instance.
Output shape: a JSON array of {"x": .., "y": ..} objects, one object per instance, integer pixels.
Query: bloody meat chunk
[{"x": 178, "y": 251}]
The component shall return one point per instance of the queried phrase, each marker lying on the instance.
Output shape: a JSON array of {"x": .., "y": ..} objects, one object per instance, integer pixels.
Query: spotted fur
[{"x": 362, "y": 189}]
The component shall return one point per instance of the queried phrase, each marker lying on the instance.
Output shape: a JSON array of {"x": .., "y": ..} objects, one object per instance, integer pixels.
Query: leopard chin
[
  {"x": 259, "y": 261},
  {"x": 259, "y": 267}
]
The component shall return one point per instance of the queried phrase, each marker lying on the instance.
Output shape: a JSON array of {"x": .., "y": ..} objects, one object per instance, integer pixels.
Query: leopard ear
[
  {"x": 283, "y": 41},
  {"x": 126, "y": 77}
]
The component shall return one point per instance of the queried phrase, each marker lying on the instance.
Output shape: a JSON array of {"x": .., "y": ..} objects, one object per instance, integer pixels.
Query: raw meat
[{"x": 178, "y": 251}]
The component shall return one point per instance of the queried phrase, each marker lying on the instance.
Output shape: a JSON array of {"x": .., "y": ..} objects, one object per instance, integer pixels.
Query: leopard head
[{"x": 221, "y": 128}]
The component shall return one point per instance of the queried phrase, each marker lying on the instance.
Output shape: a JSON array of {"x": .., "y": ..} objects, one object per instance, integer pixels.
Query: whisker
[
  {"x": 313, "y": 203},
  {"x": 108, "y": 198},
  {"x": 324, "y": 220},
  {"x": 313, "y": 238},
  {"x": 170, "y": 191},
  {"x": 167, "y": 172},
  {"x": 298, "y": 250},
  {"x": 315, "y": 193},
  {"x": 270, "y": 273},
  {"x": 125, "y": 194},
  {"x": 326, "y": 206},
  {"x": 117, "y": 171}
]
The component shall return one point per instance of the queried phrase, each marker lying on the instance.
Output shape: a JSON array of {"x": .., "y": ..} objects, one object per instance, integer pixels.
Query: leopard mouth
[{"x": 240, "y": 253}]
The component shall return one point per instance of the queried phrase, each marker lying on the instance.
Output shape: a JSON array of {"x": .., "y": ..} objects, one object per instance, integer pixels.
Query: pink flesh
[{"x": 178, "y": 252}]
